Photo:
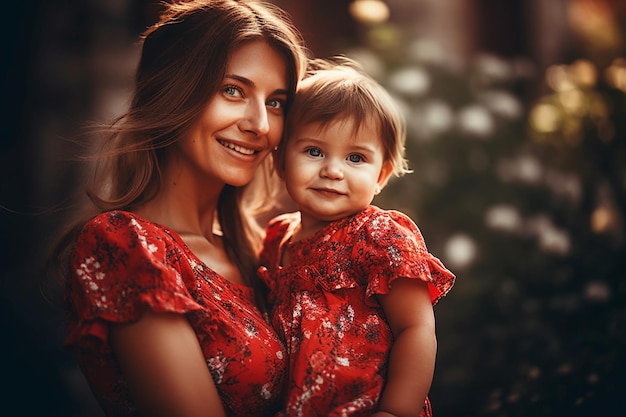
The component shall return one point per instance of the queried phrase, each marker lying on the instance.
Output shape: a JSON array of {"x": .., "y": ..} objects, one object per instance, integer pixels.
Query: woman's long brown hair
[{"x": 183, "y": 60}]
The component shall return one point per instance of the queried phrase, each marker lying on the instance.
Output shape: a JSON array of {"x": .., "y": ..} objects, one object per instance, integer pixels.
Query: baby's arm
[{"x": 411, "y": 365}]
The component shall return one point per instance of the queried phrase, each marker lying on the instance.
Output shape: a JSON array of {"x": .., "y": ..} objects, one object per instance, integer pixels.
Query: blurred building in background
[{"x": 517, "y": 139}]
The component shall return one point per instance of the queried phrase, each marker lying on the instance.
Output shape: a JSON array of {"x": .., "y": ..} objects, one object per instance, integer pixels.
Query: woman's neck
[{"x": 183, "y": 208}]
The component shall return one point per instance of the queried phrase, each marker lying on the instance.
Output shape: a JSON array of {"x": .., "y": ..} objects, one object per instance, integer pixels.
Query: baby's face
[{"x": 334, "y": 172}]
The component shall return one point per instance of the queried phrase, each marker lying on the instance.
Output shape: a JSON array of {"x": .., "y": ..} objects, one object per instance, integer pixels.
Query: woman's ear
[{"x": 385, "y": 173}]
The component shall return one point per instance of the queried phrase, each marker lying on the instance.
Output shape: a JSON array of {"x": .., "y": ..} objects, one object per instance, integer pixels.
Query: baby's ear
[{"x": 385, "y": 173}]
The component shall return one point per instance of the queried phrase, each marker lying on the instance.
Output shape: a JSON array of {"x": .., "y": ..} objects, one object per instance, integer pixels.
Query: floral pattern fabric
[
  {"x": 324, "y": 305},
  {"x": 123, "y": 264}
]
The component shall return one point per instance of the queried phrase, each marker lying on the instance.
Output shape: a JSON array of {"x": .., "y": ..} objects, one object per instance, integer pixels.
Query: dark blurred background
[{"x": 517, "y": 138}]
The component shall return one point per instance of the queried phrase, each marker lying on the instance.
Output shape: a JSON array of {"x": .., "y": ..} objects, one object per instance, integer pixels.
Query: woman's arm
[
  {"x": 165, "y": 368},
  {"x": 411, "y": 365}
]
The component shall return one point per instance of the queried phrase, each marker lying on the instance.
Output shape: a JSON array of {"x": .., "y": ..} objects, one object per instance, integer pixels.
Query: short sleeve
[
  {"x": 391, "y": 246},
  {"x": 269, "y": 257},
  {"x": 119, "y": 267}
]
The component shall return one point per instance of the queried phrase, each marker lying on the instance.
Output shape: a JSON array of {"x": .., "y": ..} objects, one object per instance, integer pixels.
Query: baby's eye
[
  {"x": 314, "y": 152},
  {"x": 355, "y": 158},
  {"x": 233, "y": 91}
]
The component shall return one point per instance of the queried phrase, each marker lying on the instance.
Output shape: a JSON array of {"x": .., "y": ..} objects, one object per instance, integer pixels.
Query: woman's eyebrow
[{"x": 241, "y": 79}]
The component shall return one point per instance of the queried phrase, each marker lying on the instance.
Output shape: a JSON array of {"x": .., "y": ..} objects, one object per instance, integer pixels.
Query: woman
[{"x": 161, "y": 275}]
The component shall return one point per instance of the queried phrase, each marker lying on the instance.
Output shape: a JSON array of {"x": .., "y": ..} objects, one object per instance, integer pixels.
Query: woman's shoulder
[
  {"x": 119, "y": 221},
  {"x": 124, "y": 230},
  {"x": 118, "y": 218}
]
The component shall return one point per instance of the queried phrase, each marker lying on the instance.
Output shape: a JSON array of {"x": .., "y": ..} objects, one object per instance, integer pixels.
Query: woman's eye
[
  {"x": 232, "y": 91},
  {"x": 276, "y": 104},
  {"x": 314, "y": 152},
  {"x": 355, "y": 158}
]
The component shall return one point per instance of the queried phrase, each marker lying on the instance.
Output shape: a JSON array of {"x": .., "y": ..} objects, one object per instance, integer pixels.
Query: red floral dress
[
  {"x": 123, "y": 264},
  {"x": 324, "y": 305}
]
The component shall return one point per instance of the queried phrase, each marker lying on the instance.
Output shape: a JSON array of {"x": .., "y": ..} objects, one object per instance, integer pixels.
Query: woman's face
[{"x": 241, "y": 123}]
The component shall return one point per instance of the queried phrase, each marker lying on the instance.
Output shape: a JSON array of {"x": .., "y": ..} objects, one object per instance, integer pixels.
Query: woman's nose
[{"x": 255, "y": 119}]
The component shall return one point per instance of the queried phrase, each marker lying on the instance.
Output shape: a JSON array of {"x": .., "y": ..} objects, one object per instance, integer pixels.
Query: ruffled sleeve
[
  {"x": 391, "y": 246},
  {"x": 120, "y": 266},
  {"x": 276, "y": 232}
]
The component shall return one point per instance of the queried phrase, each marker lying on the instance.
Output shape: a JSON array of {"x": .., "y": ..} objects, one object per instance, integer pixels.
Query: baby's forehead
[
  {"x": 345, "y": 130},
  {"x": 347, "y": 123}
]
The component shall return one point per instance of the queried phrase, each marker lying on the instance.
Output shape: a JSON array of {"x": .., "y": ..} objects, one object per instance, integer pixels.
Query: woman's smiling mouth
[{"x": 237, "y": 148}]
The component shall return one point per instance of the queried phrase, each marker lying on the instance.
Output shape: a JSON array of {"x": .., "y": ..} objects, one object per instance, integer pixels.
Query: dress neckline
[{"x": 179, "y": 240}]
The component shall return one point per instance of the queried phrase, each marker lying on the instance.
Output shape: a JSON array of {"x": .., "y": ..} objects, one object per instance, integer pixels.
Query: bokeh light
[
  {"x": 369, "y": 11},
  {"x": 461, "y": 251}
]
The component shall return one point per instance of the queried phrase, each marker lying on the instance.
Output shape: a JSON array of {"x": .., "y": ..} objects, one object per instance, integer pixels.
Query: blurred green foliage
[{"x": 525, "y": 204}]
